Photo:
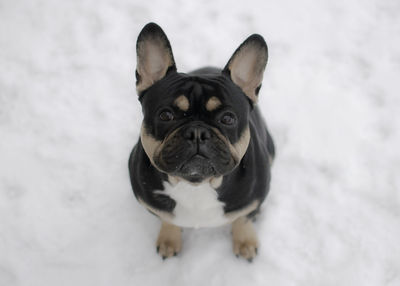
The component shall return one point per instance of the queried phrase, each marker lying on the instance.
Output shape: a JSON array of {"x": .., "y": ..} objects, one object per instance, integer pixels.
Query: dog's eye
[
  {"x": 228, "y": 119},
  {"x": 166, "y": 115}
]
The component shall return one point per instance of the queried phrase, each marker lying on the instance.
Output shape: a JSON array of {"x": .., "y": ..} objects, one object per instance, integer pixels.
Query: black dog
[{"x": 204, "y": 154}]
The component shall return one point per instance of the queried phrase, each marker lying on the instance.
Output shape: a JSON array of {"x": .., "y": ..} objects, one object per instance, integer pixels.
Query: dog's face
[{"x": 196, "y": 126}]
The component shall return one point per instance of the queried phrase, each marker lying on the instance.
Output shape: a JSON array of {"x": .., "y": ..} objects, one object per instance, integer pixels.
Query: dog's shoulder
[{"x": 146, "y": 180}]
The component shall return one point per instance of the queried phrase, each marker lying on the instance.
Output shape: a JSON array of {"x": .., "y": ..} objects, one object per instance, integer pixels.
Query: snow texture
[{"x": 69, "y": 117}]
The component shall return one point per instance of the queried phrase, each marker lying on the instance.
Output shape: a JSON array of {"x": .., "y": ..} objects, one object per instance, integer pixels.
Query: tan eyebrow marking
[
  {"x": 213, "y": 103},
  {"x": 182, "y": 102}
]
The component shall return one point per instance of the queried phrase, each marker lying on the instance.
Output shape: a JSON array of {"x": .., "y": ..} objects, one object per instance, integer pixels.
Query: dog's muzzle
[{"x": 195, "y": 152}]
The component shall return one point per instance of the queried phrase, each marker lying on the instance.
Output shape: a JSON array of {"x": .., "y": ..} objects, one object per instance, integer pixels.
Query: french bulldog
[{"x": 204, "y": 154}]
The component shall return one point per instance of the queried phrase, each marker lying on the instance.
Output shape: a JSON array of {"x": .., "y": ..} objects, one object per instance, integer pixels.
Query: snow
[{"x": 69, "y": 117}]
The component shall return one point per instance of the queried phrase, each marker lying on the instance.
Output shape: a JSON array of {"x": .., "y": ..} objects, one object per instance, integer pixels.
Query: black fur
[
  {"x": 250, "y": 178},
  {"x": 247, "y": 182}
]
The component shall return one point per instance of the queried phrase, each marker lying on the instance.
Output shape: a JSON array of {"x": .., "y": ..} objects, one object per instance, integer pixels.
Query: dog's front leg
[
  {"x": 244, "y": 238},
  {"x": 169, "y": 241}
]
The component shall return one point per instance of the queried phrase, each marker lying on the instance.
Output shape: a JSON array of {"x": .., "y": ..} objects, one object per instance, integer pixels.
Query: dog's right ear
[
  {"x": 154, "y": 56},
  {"x": 246, "y": 66}
]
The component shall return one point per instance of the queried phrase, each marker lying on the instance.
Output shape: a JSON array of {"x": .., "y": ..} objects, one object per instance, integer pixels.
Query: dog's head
[{"x": 196, "y": 126}]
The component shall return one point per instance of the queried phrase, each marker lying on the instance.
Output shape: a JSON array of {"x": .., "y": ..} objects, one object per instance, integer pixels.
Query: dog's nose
[{"x": 197, "y": 134}]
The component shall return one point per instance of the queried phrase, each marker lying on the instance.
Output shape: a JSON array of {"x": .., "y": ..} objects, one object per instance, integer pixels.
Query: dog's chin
[{"x": 196, "y": 170}]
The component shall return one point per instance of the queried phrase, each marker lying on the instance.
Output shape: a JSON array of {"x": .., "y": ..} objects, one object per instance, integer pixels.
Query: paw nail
[
  {"x": 158, "y": 249},
  {"x": 250, "y": 260}
]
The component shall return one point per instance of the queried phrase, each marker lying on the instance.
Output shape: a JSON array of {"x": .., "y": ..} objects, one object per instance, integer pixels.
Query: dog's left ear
[
  {"x": 154, "y": 56},
  {"x": 246, "y": 66}
]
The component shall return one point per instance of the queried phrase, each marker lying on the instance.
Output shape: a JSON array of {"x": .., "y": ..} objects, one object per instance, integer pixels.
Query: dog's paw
[
  {"x": 169, "y": 242},
  {"x": 244, "y": 237},
  {"x": 167, "y": 248},
  {"x": 246, "y": 249}
]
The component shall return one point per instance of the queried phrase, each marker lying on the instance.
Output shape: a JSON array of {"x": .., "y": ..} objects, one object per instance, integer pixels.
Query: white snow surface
[{"x": 69, "y": 116}]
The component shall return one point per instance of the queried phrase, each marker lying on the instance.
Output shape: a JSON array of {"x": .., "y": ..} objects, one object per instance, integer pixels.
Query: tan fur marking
[
  {"x": 213, "y": 103},
  {"x": 243, "y": 143},
  {"x": 182, "y": 102},
  {"x": 244, "y": 238},
  {"x": 239, "y": 148},
  {"x": 216, "y": 182},
  {"x": 150, "y": 145},
  {"x": 169, "y": 241},
  {"x": 242, "y": 212},
  {"x": 173, "y": 180}
]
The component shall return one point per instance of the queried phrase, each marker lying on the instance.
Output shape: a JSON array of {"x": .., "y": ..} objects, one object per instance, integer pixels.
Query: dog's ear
[
  {"x": 154, "y": 56},
  {"x": 247, "y": 64}
]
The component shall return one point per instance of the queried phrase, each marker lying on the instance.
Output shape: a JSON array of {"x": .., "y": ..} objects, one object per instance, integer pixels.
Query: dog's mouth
[{"x": 197, "y": 168}]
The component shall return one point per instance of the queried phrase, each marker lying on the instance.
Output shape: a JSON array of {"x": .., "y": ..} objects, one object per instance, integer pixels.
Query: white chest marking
[{"x": 196, "y": 206}]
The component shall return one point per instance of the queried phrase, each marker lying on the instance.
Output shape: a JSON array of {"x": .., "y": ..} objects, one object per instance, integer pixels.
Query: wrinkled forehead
[{"x": 194, "y": 92}]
